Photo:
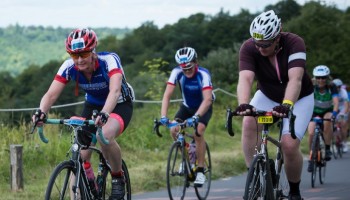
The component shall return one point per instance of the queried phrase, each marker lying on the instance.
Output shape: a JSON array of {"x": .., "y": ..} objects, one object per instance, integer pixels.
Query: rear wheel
[
  {"x": 107, "y": 186},
  {"x": 61, "y": 183},
  {"x": 322, "y": 171},
  {"x": 176, "y": 173},
  {"x": 203, "y": 192}
]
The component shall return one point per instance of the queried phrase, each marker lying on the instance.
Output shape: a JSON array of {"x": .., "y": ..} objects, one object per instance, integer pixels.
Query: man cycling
[
  {"x": 197, "y": 94},
  {"x": 102, "y": 78},
  {"x": 342, "y": 117},
  {"x": 277, "y": 60},
  {"x": 326, "y": 107}
]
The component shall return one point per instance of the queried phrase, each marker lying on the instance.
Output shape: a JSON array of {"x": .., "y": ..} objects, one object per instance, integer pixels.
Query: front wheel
[
  {"x": 61, "y": 183},
  {"x": 203, "y": 192},
  {"x": 259, "y": 183},
  {"x": 176, "y": 173}
]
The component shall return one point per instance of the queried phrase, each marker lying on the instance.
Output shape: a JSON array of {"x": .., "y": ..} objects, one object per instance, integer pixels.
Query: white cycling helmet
[
  {"x": 338, "y": 82},
  {"x": 266, "y": 26},
  {"x": 185, "y": 55},
  {"x": 321, "y": 70}
]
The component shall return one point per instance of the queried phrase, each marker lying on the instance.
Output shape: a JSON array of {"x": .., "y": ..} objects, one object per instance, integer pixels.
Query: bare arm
[
  {"x": 169, "y": 90},
  {"x": 295, "y": 76},
  {"x": 51, "y": 95},
  {"x": 115, "y": 83},
  {"x": 207, "y": 101},
  {"x": 244, "y": 86}
]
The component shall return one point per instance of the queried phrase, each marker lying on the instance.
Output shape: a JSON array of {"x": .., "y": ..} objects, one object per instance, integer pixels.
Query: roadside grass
[{"x": 144, "y": 152}]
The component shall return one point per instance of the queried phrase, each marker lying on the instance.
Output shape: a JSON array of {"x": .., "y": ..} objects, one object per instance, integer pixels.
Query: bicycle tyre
[
  {"x": 107, "y": 183},
  {"x": 322, "y": 171},
  {"x": 60, "y": 181},
  {"x": 282, "y": 184},
  {"x": 259, "y": 184},
  {"x": 203, "y": 192},
  {"x": 334, "y": 148},
  {"x": 314, "y": 157},
  {"x": 176, "y": 179}
]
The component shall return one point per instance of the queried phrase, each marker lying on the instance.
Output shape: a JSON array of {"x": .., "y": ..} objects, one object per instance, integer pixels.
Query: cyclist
[
  {"x": 197, "y": 94},
  {"x": 342, "y": 117},
  {"x": 326, "y": 106},
  {"x": 102, "y": 78},
  {"x": 277, "y": 60}
]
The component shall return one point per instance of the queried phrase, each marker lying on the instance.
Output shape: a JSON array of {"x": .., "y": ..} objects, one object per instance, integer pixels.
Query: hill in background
[{"x": 36, "y": 45}]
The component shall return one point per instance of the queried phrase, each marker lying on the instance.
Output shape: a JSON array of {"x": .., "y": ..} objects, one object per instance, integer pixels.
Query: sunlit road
[{"x": 336, "y": 186}]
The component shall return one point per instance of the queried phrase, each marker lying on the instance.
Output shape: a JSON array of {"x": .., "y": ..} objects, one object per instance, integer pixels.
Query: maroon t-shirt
[{"x": 292, "y": 54}]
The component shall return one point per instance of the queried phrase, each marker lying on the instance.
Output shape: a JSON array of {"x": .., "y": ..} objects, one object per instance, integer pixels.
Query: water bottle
[{"x": 90, "y": 176}]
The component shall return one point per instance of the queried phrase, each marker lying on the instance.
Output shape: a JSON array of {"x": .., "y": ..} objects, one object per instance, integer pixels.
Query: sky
[{"x": 122, "y": 13}]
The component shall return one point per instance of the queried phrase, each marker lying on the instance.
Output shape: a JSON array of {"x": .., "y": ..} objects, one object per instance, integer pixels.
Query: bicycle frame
[
  {"x": 179, "y": 150},
  {"x": 80, "y": 187},
  {"x": 270, "y": 183}
]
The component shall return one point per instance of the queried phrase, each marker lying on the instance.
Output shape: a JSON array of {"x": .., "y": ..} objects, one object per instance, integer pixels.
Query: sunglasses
[
  {"x": 81, "y": 54},
  {"x": 321, "y": 77},
  {"x": 263, "y": 45},
  {"x": 187, "y": 67}
]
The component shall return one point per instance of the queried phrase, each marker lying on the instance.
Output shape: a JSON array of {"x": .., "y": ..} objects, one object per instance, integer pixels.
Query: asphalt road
[{"x": 335, "y": 187}]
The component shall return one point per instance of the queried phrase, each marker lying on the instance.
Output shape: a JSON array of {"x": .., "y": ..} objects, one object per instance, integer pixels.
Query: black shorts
[
  {"x": 124, "y": 110},
  {"x": 184, "y": 113}
]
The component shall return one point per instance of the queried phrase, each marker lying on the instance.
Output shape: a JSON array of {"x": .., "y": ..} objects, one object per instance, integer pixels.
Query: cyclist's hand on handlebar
[
  {"x": 164, "y": 120},
  {"x": 281, "y": 110},
  {"x": 244, "y": 108},
  {"x": 334, "y": 114},
  {"x": 195, "y": 119},
  {"x": 101, "y": 118},
  {"x": 38, "y": 117}
]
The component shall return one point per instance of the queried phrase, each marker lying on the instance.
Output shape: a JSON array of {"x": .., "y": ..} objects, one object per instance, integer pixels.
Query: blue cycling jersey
[
  {"x": 97, "y": 89},
  {"x": 191, "y": 88}
]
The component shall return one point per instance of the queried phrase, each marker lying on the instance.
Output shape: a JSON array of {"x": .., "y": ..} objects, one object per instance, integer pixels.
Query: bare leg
[
  {"x": 293, "y": 159},
  {"x": 249, "y": 138},
  {"x": 200, "y": 145}
]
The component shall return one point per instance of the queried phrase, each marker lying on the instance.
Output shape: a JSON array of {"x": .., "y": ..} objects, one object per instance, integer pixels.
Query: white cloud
[{"x": 121, "y": 13}]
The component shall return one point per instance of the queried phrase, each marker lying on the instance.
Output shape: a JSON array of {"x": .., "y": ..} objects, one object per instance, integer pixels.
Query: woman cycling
[
  {"x": 197, "y": 93},
  {"x": 326, "y": 107},
  {"x": 102, "y": 78}
]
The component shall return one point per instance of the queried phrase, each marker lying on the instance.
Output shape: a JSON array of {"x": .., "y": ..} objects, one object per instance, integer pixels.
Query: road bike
[
  {"x": 63, "y": 183},
  {"x": 318, "y": 152},
  {"x": 181, "y": 167},
  {"x": 266, "y": 178}
]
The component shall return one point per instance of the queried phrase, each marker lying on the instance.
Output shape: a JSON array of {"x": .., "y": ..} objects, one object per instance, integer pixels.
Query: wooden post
[{"x": 16, "y": 167}]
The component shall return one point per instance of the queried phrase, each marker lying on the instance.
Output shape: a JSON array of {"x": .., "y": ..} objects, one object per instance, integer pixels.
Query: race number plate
[{"x": 265, "y": 120}]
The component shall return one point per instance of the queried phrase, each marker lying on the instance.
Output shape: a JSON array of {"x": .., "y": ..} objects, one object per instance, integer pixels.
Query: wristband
[{"x": 286, "y": 101}]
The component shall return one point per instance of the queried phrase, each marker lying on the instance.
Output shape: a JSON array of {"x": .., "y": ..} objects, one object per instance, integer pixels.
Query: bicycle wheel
[
  {"x": 127, "y": 181},
  {"x": 339, "y": 146},
  {"x": 203, "y": 192},
  {"x": 315, "y": 157},
  {"x": 61, "y": 181},
  {"x": 176, "y": 173},
  {"x": 334, "y": 148},
  {"x": 259, "y": 183},
  {"x": 322, "y": 171},
  {"x": 282, "y": 184},
  {"x": 107, "y": 180}
]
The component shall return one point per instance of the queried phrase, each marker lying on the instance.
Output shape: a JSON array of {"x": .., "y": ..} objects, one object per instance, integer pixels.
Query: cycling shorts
[
  {"x": 184, "y": 113},
  {"x": 122, "y": 113}
]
